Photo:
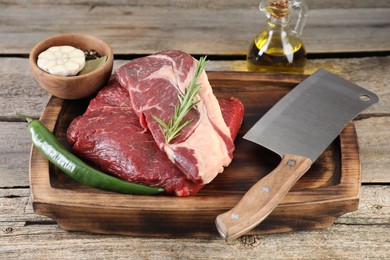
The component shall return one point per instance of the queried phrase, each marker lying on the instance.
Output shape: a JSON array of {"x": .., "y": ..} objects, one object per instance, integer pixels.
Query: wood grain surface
[
  {"x": 196, "y": 27},
  {"x": 348, "y": 38},
  {"x": 27, "y": 235},
  {"x": 20, "y": 92}
]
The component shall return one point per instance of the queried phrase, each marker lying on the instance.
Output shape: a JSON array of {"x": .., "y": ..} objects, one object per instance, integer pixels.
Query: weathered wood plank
[
  {"x": 361, "y": 234},
  {"x": 370, "y": 73},
  {"x": 373, "y": 137},
  {"x": 16, "y": 206},
  {"x": 196, "y": 29},
  {"x": 15, "y": 145},
  {"x": 374, "y": 207},
  {"x": 374, "y": 142},
  {"x": 20, "y": 92},
  {"x": 313, "y": 4},
  {"x": 337, "y": 242}
]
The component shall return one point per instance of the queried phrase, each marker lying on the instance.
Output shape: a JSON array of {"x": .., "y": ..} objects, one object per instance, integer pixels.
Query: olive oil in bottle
[{"x": 278, "y": 48}]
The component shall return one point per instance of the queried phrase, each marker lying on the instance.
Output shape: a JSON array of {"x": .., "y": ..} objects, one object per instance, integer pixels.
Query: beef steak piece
[{"x": 205, "y": 146}]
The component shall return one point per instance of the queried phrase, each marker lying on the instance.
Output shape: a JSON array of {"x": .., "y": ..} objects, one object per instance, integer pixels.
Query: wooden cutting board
[{"x": 329, "y": 189}]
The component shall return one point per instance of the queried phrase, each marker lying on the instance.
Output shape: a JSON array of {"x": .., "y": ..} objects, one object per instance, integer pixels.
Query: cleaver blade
[{"x": 299, "y": 128}]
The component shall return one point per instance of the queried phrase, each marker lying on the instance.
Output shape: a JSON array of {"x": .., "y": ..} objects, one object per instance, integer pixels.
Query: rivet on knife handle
[{"x": 262, "y": 198}]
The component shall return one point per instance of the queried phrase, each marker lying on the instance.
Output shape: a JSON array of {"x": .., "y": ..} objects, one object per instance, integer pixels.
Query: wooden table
[{"x": 348, "y": 38}]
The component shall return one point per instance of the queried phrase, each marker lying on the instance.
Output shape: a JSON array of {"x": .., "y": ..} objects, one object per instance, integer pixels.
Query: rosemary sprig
[{"x": 172, "y": 129}]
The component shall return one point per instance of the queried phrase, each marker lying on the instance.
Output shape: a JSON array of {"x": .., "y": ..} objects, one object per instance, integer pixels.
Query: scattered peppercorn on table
[{"x": 348, "y": 38}]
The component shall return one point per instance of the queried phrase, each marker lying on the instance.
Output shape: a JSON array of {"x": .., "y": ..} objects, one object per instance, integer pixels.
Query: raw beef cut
[
  {"x": 205, "y": 146},
  {"x": 233, "y": 113},
  {"x": 109, "y": 134}
]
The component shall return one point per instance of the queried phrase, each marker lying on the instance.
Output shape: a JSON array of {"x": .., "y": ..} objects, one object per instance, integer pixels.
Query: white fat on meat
[{"x": 210, "y": 149}]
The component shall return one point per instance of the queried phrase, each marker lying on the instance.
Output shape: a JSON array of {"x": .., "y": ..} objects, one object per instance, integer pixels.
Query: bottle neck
[
  {"x": 278, "y": 22},
  {"x": 278, "y": 13}
]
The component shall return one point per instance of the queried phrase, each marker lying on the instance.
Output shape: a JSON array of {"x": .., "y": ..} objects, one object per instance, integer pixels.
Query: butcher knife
[{"x": 299, "y": 128}]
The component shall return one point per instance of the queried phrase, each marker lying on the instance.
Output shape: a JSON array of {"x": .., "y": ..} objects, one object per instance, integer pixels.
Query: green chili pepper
[{"x": 70, "y": 164}]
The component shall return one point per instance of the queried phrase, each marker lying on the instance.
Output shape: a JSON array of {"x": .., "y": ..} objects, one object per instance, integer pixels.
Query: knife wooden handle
[{"x": 261, "y": 199}]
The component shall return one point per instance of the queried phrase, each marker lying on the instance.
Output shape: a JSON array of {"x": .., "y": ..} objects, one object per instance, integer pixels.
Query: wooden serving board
[{"x": 329, "y": 189}]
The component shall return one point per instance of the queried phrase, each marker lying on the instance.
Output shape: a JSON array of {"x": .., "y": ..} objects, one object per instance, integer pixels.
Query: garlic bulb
[{"x": 62, "y": 60}]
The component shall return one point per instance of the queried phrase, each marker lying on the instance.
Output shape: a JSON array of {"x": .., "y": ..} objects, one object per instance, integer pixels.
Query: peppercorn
[{"x": 91, "y": 54}]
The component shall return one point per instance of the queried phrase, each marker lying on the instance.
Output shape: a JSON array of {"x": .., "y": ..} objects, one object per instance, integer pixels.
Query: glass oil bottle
[{"x": 279, "y": 48}]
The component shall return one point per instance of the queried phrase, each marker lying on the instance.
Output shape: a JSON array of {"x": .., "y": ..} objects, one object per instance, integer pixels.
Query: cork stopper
[{"x": 279, "y": 8}]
